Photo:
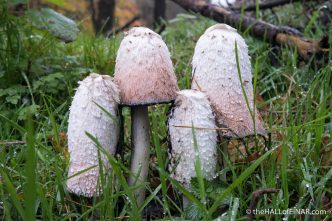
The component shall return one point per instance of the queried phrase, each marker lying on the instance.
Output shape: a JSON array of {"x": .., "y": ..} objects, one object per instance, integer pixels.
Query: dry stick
[
  {"x": 125, "y": 26},
  {"x": 6, "y": 143},
  {"x": 262, "y": 5},
  {"x": 201, "y": 128},
  {"x": 194, "y": 80},
  {"x": 263, "y": 30},
  {"x": 254, "y": 201}
]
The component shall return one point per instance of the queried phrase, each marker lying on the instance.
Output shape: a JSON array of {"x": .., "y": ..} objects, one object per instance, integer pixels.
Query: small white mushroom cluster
[
  {"x": 215, "y": 74},
  {"x": 145, "y": 76}
]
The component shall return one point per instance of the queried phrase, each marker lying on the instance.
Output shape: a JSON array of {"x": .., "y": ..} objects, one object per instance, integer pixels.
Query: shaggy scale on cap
[
  {"x": 144, "y": 70},
  {"x": 215, "y": 73},
  {"x": 86, "y": 116},
  {"x": 192, "y": 107}
]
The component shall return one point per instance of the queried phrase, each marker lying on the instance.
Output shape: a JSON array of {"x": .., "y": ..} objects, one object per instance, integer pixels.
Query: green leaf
[
  {"x": 193, "y": 212},
  {"x": 10, "y": 188},
  {"x": 13, "y": 90},
  {"x": 13, "y": 93},
  {"x": 55, "y": 23},
  {"x": 26, "y": 111},
  {"x": 13, "y": 99},
  {"x": 244, "y": 175},
  {"x": 52, "y": 83}
]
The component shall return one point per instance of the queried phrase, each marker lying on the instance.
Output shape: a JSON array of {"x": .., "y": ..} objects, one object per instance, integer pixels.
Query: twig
[
  {"x": 125, "y": 26},
  {"x": 194, "y": 80},
  {"x": 254, "y": 201},
  {"x": 7, "y": 143},
  {"x": 161, "y": 28},
  {"x": 263, "y": 30},
  {"x": 262, "y": 5},
  {"x": 200, "y": 128}
]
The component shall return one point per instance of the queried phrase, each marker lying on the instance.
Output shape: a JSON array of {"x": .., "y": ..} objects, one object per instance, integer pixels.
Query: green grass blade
[
  {"x": 198, "y": 169},
  {"x": 251, "y": 111},
  {"x": 244, "y": 175},
  {"x": 117, "y": 170},
  {"x": 150, "y": 198},
  {"x": 30, "y": 187},
  {"x": 311, "y": 22},
  {"x": 161, "y": 163},
  {"x": 12, "y": 193},
  {"x": 187, "y": 193},
  {"x": 235, "y": 209}
]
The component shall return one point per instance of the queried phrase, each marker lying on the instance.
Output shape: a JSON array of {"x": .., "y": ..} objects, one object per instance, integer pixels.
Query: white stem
[{"x": 140, "y": 140}]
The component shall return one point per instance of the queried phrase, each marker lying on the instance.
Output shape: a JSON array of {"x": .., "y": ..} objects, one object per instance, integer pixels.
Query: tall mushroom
[
  {"x": 215, "y": 73},
  {"x": 86, "y": 116},
  {"x": 192, "y": 108},
  {"x": 145, "y": 75}
]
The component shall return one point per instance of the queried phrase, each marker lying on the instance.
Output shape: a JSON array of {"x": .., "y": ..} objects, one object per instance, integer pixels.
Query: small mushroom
[
  {"x": 145, "y": 75},
  {"x": 86, "y": 116},
  {"x": 215, "y": 73},
  {"x": 192, "y": 109}
]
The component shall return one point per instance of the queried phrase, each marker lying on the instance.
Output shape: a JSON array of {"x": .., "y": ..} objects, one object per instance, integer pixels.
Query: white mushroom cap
[
  {"x": 86, "y": 116},
  {"x": 223, "y": 3},
  {"x": 192, "y": 107},
  {"x": 215, "y": 73},
  {"x": 144, "y": 70}
]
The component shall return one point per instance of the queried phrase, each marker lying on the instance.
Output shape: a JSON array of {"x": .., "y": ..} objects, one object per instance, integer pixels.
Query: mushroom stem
[{"x": 140, "y": 139}]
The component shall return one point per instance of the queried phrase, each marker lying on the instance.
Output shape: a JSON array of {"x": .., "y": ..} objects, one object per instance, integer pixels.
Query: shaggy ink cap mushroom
[
  {"x": 144, "y": 70},
  {"x": 145, "y": 75},
  {"x": 192, "y": 108},
  {"x": 215, "y": 73},
  {"x": 86, "y": 116}
]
